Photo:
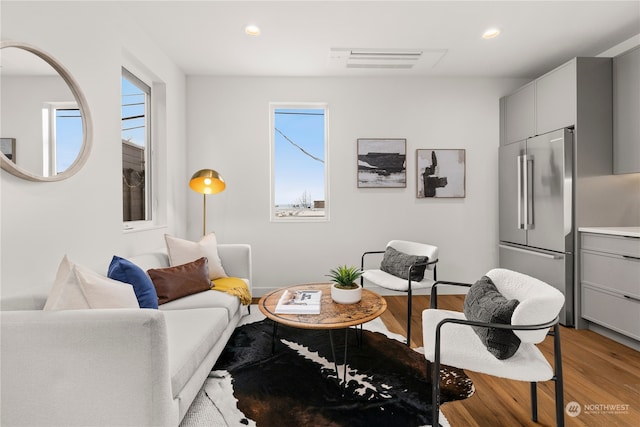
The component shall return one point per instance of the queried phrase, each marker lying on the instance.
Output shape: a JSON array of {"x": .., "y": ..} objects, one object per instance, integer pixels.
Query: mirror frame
[{"x": 83, "y": 106}]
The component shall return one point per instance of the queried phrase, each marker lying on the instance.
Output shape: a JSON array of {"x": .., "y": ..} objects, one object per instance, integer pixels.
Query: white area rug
[{"x": 215, "y": 402}]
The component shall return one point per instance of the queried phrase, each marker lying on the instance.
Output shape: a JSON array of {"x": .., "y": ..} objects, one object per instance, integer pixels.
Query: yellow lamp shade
[{"x": 207, "y": 181}]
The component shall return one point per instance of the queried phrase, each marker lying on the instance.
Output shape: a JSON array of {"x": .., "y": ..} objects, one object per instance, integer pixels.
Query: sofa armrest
[
  {"x": 85, "y": 367},
  {"x": 26, "y": 301},
  {"x": 236, "y": 260}
]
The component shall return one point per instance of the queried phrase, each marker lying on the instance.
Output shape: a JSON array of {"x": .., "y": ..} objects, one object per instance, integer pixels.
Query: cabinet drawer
[
  {"x": 617, "y": 313},
  {"x": 621, "y": 245},
  {"x": 613, "y": 272}
]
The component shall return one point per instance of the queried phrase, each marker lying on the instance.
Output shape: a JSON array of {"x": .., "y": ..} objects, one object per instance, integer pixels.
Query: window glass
[
  {"x": 136, "y": 159},
  {"x": 62, "y": 136},
  {"x": 68, "y": 137},
  {"x": 299, "y": 169}
]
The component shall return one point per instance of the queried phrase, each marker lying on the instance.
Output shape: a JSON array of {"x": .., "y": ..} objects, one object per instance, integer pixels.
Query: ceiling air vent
[{"x": 385, "y": 58}]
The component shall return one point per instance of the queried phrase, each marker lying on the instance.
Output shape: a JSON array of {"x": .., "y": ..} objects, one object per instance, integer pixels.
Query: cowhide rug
[{"x": 297, "y": 385}]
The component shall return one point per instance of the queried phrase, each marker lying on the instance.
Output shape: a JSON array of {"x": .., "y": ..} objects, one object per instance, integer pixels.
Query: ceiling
[{"x": 297, "y": 37}]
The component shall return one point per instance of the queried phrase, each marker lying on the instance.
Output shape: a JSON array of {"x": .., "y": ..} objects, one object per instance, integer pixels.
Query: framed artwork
[
  {"x": 382, "y": 163},
  {"x": 8, "y": 147},
  {"x": 440, "y": 173}
]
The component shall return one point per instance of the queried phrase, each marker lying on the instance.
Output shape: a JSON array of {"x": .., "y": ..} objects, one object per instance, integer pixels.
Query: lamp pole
[{"x": 204, "y": 214}]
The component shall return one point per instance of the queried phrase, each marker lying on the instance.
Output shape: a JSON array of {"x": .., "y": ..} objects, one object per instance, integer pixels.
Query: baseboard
[{"x": 615, "y": 336}]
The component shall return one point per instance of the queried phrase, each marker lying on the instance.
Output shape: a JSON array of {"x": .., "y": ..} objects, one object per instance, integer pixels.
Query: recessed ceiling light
[
  {"x": 252, "y": 30},
  {"x": 491, "y": 33}
]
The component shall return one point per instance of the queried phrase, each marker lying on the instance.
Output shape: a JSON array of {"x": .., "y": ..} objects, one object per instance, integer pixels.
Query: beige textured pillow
[
  {"x": 78, "y": 287},
  {"x": 184, "y": 251}
]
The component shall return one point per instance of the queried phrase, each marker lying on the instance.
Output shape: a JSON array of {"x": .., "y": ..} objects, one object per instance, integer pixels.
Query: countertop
[{"x": 614, "y": 231}]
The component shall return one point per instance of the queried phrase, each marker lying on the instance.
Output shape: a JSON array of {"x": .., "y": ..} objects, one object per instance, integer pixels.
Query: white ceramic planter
[{"x": 346, "y": 296}]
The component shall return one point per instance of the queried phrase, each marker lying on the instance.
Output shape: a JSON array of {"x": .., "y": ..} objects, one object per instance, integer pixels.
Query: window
[
  {"x": 62, "y": 136},
  {"x": 136, "y": 149},
  {"x": 299, "y": 190}
]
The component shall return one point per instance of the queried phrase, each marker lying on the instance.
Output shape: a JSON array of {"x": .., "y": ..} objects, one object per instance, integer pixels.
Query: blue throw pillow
[{"x": 125, "y": 271}]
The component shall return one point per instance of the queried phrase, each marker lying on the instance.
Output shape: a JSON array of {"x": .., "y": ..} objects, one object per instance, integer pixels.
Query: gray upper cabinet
[
  {"x": 556, "y": 99},
  {"x": 626, "y": 112},
  {"x": 519, "y": 114},
  {"x": 577, "y": 91}
]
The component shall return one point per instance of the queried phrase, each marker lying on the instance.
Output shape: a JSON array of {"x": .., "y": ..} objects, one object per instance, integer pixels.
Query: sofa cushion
[
  {"x": 176, "y": 282},
  {"x": 191, "y": 334},
  {"x": 207, "y": 299},
  {"x": 182, "y": 251},
  {"x": 77, "y": 287},
  {"x": 127, "y": 272},
  {"x": 398, "y": 263},
  {"x": 484, "y": 303},
  {"x": 148, "y": 260}
]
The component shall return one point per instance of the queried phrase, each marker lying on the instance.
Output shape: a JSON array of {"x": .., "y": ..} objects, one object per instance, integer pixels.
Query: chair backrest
[
  {"x": 415, "y": 248},
  {"x": 539, "y": 301}
]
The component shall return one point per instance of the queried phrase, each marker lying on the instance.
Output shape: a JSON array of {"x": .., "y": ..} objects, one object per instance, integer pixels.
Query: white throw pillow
[
  {"x": 103, "y": 292},
  {"x": 65, "y": 293},
  {"x": 184, "y": 251},
  {"x": 78, "y": 287}
]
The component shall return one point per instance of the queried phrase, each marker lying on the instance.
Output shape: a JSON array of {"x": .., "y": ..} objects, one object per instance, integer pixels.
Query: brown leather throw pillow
[{"x": 176, "y": 282}]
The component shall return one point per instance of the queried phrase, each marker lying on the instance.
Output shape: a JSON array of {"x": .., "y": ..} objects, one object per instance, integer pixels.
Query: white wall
[
  {"x": 82, "y": 216},
  {"x": 228, "y": 130}
]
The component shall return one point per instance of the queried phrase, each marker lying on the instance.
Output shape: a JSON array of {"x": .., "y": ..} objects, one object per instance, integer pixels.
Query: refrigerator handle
[
  {"x": 520, "y": 193},
  {"x": 527, "y": 161}
]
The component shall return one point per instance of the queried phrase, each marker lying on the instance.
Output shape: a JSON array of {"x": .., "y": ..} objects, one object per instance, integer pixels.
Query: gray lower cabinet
[{"x": 610, "y": 282}]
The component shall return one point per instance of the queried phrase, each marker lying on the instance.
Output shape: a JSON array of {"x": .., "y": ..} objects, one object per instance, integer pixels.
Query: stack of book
[{"x": 299, "y": 302}]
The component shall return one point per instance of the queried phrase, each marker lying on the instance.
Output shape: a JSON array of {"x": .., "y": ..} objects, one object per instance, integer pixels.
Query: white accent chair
[
  {"x": 449, "y": 338},
  {"x": 380, "y": 278}
]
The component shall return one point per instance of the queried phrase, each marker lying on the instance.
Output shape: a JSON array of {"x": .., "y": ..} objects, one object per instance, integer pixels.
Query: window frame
[
  {"x": 49, "y": 134},
  {"x": 273, "y": 106},
  {"x": 146, "y": 86}
]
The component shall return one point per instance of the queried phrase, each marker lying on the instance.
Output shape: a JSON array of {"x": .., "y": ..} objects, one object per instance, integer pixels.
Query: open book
[{"x": 299, "y": 302}]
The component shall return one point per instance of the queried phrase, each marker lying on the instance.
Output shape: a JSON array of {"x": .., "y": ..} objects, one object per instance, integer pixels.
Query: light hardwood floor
[{"x": 597, "y": 372}]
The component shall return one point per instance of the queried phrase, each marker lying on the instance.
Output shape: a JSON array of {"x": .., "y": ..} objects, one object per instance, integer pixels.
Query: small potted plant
[{"x": 345, "y": 290}]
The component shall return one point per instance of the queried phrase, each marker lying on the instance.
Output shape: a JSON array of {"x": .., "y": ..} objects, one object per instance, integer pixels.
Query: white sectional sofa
[{"x": 114, "y": 367}]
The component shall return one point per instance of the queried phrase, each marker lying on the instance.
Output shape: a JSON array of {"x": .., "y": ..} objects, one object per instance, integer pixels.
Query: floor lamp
[{"x": 206, "y": 181}]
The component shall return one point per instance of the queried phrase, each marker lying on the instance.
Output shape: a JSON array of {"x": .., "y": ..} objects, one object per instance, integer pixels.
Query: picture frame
[
  {"x": 440, "y": 173},
  {"x": 8, "y": 148},
  {"x": 382, "y": 162}
]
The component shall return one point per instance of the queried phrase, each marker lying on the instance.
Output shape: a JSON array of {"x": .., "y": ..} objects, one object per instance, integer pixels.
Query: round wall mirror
[{"x": 45, "y": 125}]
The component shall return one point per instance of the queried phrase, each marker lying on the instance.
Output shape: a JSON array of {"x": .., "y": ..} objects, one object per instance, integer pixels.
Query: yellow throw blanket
[{"x": 234, "y": 286}]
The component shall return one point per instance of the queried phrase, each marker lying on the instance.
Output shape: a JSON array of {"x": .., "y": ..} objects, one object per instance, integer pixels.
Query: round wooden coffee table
[{"x": 332, "y": 315}]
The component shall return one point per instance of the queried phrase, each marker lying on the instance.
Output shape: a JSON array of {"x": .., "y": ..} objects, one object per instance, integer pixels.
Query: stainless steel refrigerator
[{"x": 536, "y": 211}]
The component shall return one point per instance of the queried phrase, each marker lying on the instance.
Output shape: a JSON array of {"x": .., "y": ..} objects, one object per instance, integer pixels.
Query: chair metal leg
[
  {"x": 534, "y": 402},
  {"x": 409, "y": 309},
  {"x": 557, "y": 365},
  {"x": 435, "y": 392}
]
